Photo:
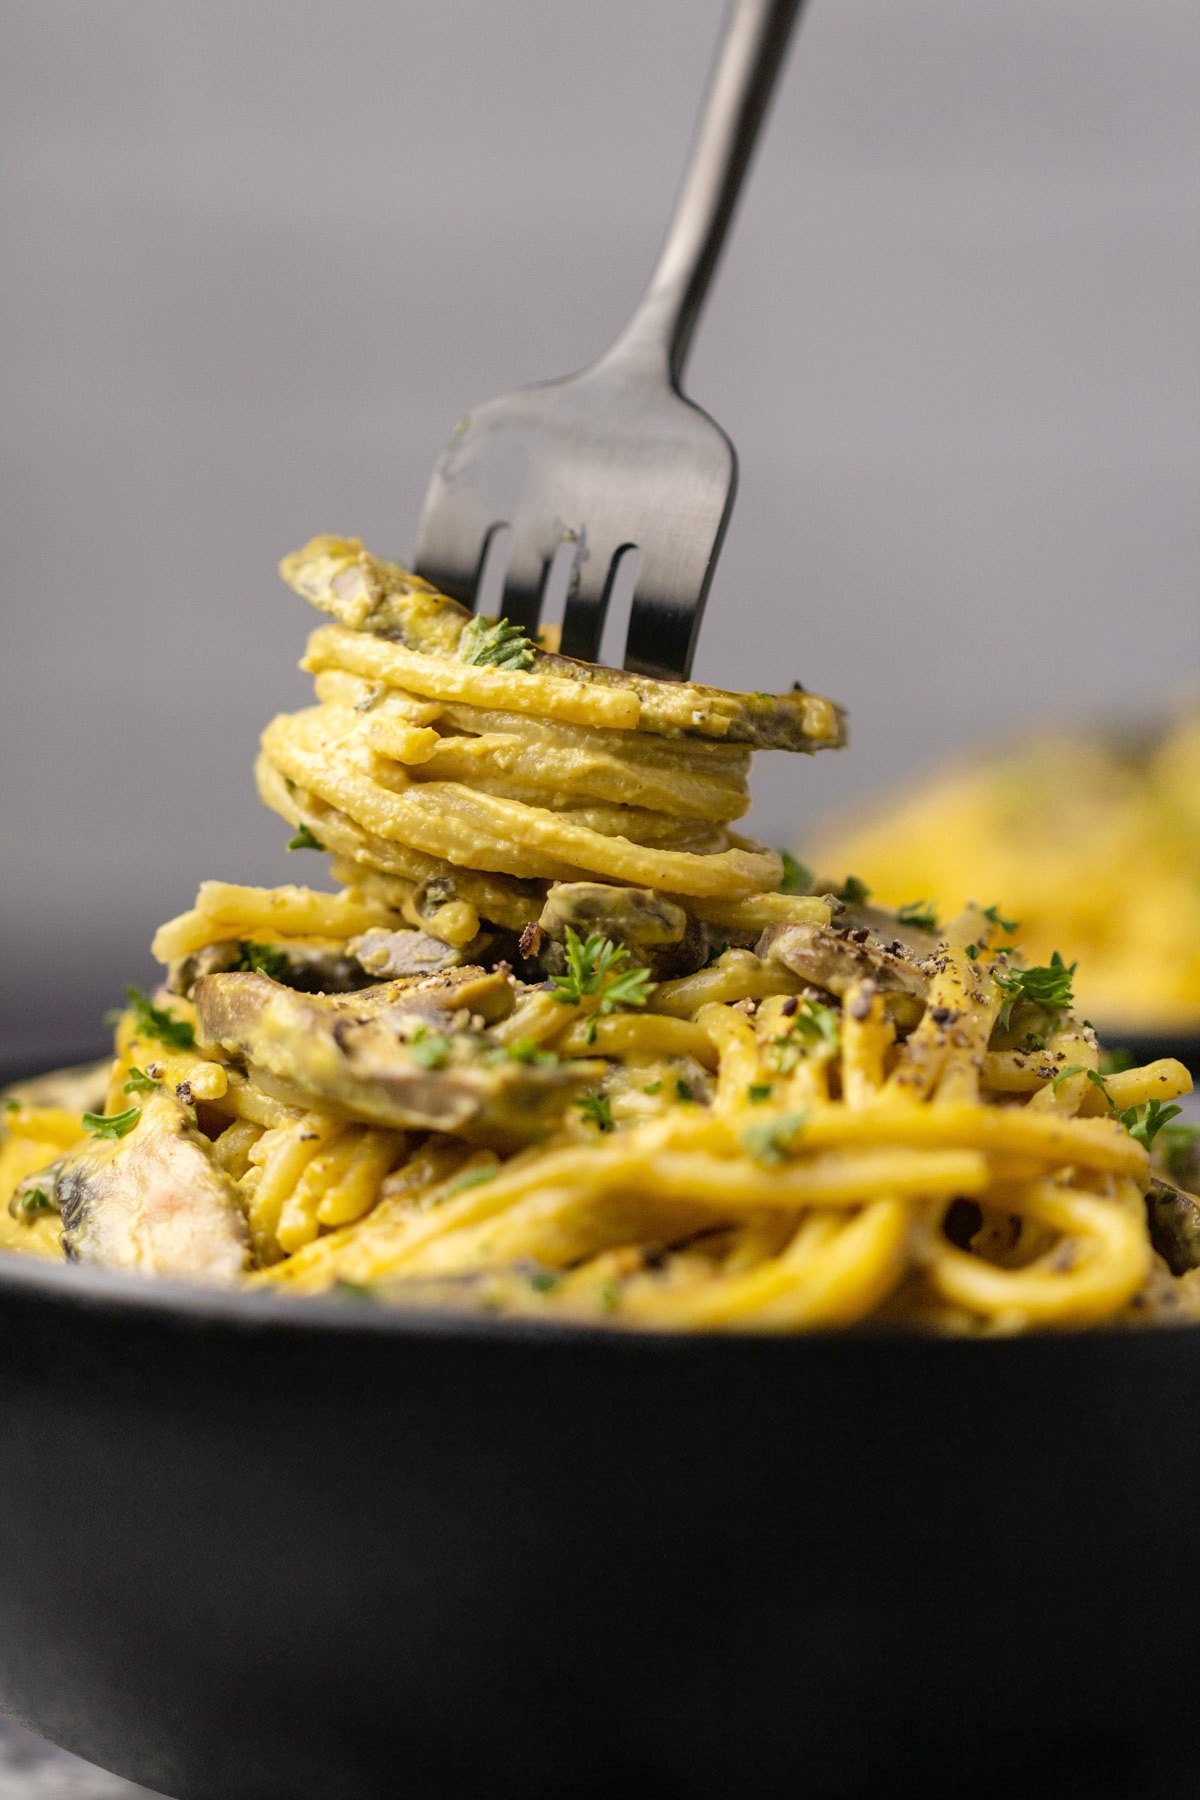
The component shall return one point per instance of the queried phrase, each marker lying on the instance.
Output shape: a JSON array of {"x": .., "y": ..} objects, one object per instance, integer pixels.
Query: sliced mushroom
[
  {"x": 408, "y": 1059},
  {"x": 658, "y": 933},
  {"x": 152, "y": 1201},
  {"x": 1174, "y": 1219},
  {"x": 835, "y": 958},
  {"x": 387, "y": 954},
  {"x": 311, "y": 968}
]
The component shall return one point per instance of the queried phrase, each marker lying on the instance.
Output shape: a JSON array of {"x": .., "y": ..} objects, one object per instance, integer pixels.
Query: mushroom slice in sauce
[
  {"x": 835, "y": 957},
  {"x": 410, "y": 1058},
  {"x": 152, "y": 1202}
]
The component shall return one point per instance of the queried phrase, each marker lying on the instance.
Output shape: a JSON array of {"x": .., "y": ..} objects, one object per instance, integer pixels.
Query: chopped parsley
[
  {"x": 304, "y": 840},
  {"x": 155, "y": 1021},
  {"x": 353, "y": 1290},
  {"x": 652, "y": 1087},
  {"x": 111, "y": 1125},
  {"x": 495, "y": 646},
  {"x": 1093, "y": 1075},
  {"x": 757, "y": 1092},
  {"x": 610, "y": 1296},
  {"x": 1145, "y": 1122},
  {"x": 544, "y": 1281},
  {"x": 261, "y": 959},
  {"x": 853, "y": 892},
  {"x": 139, "y": 1082},
  {"x": 797, "y": 876},
  {"x": 12, "y": 1106},
  {"x": 995, "y": 917},
  {"x": 919, "y": 914},
  {"x": 1141, "y": 1122},
  {"x": 471, "y": 1178},
  {"x": 771, "y": 1142},
  {"x": 521, "y": 1050},
  {"x": 598, "y": 1109},
  {"x": 683, "y": 1089},
  {"x": 1046, "y": 984},
  {"x": 812, "y": 1027},
  {"x": 596, "y": 967},
  {"x": 27, "y": 1203},
  {"x": 430, "y": 1049}
]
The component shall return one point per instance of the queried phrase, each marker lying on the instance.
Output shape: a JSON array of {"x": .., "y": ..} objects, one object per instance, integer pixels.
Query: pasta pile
[
  {"x": 1094, "y": 842},
  {"x": 563, "y": 1044}
]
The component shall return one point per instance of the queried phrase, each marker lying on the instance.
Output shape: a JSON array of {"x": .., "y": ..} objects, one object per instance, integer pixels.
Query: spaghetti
[{"x": 564, "y": 1044}]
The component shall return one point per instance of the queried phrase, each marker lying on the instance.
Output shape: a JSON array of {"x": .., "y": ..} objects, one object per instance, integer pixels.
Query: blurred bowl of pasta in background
[{"x": 1089, "y": 837}]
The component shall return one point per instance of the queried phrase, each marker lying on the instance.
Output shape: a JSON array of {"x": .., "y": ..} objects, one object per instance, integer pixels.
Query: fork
[{"x": 613, "y": 464}]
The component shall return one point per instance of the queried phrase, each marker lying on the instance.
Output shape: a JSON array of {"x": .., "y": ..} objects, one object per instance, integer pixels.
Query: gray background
[{"x": 258, "y": 258}]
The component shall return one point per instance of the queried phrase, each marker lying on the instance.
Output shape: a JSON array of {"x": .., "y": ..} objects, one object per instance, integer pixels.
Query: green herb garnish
[
  {"x": 521, "y": 1050},
  {"x": 353, "y": 1290},
  {"x": 155, "y": 1021},
  {"x": 471, "y": 1178},
  {"x": 919, "y": 914},
  {"x": 431, "y": 1049},
  {"x": 27, "y": 1203},
  {"x": 683, "y": 1089},
  {"x": 610, "y": 1296},
  {"x": 973, "y": 952},
  {"x": 111, "y": 1125},
  {"x": 758, "y": 1091},
  {"x": 1145, "y": 1122},
  {"x": 261, "y": 959},
  {"x": 853, "y": 892},
  {"x": 595, "y": 966},
  {"x": 813, "y": 1026},
  {"x": 996, "y": 917},
  {"x": 771, "y": 1142},
  {"x": 304, "y": 840},
  {"x": 797, "y": 877},
  {"x": 543, "y": 1281},
  {"x": 498, "y": 646},
  {"x": 652, "y": 1087},
  {"x": 1046, "y": 984},
  {"x": 139, "y": 1083},
  {"x": 597, "y": 1108},
  {"x": 12, "y": 1106},
  {"x": 1093, "y": 1075}
]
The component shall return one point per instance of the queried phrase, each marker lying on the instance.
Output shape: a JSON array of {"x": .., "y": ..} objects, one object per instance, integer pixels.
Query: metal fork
[{"x": 614, "y": 460}]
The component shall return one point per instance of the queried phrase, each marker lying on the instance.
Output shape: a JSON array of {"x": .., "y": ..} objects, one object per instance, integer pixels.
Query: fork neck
[{"x": 658, "y": 337}]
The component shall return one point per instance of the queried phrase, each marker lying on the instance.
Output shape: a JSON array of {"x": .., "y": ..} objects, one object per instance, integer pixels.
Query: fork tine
[
  {"x": 524, "y": 585},
  {"x": 668, "y": 602},
  {"x": 588, "y": 601}
]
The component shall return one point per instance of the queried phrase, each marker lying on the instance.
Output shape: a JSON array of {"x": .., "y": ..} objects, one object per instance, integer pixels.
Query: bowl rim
[{"x": 243, "y": 1313}]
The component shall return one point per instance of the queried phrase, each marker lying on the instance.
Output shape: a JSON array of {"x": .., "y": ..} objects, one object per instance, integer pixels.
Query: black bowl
[{"x": 278, "y": 1549}]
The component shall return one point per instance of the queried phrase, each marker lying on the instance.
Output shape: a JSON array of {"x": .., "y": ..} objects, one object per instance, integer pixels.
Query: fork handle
[{"x": 739, "y": 94}]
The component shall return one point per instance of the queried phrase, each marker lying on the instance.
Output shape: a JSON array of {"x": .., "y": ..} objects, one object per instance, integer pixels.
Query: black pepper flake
[
  {"x": 531, "y": 939},
  {"x": 942, "y": 1015},
  {"x": 861, "y": 935},
  {"x": 790, "y": 1006}
]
